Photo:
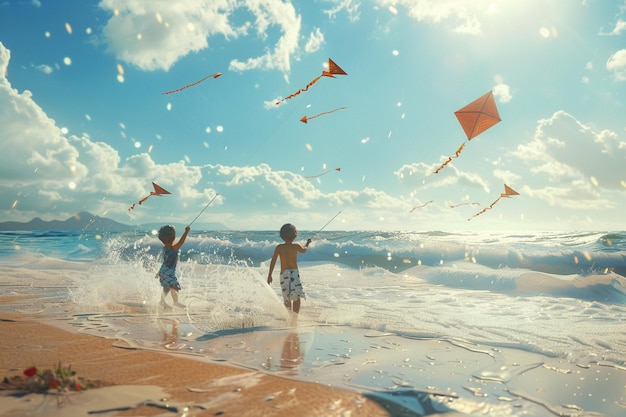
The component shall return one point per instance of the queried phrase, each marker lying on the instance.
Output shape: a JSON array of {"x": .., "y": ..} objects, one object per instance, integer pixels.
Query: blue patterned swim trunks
[{"x": 290, "y": 285}]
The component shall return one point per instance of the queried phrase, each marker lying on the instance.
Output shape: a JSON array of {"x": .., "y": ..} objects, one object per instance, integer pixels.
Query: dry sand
[{"x": 164, "y": 383}]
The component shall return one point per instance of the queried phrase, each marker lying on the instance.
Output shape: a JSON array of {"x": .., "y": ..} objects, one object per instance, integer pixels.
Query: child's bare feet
[{"x": 179, "y": 305}]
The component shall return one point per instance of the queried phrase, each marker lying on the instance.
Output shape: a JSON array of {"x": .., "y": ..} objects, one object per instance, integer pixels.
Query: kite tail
[
  {"x": 485, "y": 209},
  {"x": 143, "y": 200},
  {"x": 217, "y": 74},
  {"x": 302, "y": 90},
  {"x": 305, "y": 119},
  {"x": 422, "y": 206},
  {"x": 463, "y": 204},
  {"x": 456, "y": 155}
]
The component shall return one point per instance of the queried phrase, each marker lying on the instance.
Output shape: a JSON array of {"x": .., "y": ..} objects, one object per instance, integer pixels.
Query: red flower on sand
[{"x": 30, "y": 372}]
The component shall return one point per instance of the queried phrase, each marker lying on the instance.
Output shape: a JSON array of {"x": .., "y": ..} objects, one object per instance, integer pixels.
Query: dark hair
[
  {"x": 167, "y": 234},
  {"x": 288, "y": 232}
]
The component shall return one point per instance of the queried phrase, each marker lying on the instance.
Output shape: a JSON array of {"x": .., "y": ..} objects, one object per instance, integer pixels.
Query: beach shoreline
[{"x": 203, "y": 388}]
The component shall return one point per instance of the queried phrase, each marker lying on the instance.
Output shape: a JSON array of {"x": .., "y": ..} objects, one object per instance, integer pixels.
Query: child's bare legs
[
  {"x": 175, "y": 298},
  {"x": 163, "y": 295},
  {"x": 294, "y": 309},
  {"x": 174, "y": 293}
]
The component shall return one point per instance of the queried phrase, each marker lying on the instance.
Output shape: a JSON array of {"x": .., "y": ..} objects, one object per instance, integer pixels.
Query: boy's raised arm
[{"x": 182, "y": 238}]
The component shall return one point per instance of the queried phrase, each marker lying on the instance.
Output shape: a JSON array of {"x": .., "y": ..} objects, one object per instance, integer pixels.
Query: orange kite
[
  {"x": 306, "y": 119},
  {"x": 217, "y": 74},
  {"x": 475, "y": 118},
  {"x": 323, "y": 173},
  {"x": 508, "y": 193},
  {"x": 333, "y": 69},
  {"x": 158, "y": 190}
]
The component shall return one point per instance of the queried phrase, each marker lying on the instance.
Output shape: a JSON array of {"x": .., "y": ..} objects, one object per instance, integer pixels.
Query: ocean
[{"x": 423, "y": 322}]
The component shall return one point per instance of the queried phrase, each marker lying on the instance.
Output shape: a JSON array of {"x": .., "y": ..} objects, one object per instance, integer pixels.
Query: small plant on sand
[{"x": 62, "y": 379}]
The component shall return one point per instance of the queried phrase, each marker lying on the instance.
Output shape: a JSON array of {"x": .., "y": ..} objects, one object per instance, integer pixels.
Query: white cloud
[
  {"x": 421, "y": 175},
  {"x": 620, "y": 26},
  {"x": 503, "y": 93},
  {"x": 45, "y": 171},
  {"x": 316, "y": 40},
  {"x": 616, "y": 64},
  {"x": 155, "y": 35},
  {"x": 351, "y": 7},
  {"x": 46, "y": 69},
  {"x": 465, "y": 13},
  {"x": 283, "y": 15},
  {"x": 581, "y": 165}
]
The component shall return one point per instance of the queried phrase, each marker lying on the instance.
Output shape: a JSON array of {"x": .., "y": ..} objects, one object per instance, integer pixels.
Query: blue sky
[{"x": 86, "y": 126}]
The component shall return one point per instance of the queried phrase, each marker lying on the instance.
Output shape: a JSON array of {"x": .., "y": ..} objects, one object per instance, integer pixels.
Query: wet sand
[{"x": 156, "y": 380}]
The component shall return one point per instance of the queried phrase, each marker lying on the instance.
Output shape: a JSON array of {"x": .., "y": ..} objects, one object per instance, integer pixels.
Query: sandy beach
[
  {"x": 231, "y": 352},
  {"x": 138, "y": 382}
]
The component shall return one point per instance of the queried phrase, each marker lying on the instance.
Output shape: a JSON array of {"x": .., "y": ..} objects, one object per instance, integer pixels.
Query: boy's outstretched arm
[
  {"x": 182, "y": 238},
  {"x": 272, "y": 265}
]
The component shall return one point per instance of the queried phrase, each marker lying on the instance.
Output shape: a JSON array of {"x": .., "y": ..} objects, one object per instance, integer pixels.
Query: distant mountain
[
  {"x": 84, "y": 220},
  {"x": 79, "y": 221}
]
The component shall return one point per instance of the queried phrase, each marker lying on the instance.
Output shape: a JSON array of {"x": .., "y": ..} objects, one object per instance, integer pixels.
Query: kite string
[
  {"x": 205, "y": 207},
  {"x": 327, "y": 223},
  {"x": 250, "y": 156}
]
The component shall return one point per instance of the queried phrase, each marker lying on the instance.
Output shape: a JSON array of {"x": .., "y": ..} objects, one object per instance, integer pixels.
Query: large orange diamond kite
[{"x": 475, "y": 118}]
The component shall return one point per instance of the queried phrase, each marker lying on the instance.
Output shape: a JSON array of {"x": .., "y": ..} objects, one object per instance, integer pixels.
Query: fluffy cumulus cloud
[
  {"x": 420, "y": 176},
  {"x": 616, "y": 65},
  {"x": 44, "y": 169},
  {"x": 154, "y": 35},
  {"x": 559, "y": 152},
  {"x": 465, "y": 14},
  {"x": 33, "y": 148}
]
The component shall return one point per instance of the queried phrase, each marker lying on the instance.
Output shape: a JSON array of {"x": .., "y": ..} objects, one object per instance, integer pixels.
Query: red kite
[
  {"x": 508, "y": 193},
  {"x": 217, "y": 74},
  {"x": 306, "y": 119},
  {"x": 324, "y": 173},
  {"x": 158, "y": 190},
  {"x": 475, "y": 118},
  {"x": 333, "y": 69}
]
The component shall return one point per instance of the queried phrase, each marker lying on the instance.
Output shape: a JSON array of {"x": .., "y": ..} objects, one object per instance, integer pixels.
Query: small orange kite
[
  {"x": 508, "y": 193},
  {"x": 217, "y": 74},
  {"x": 323, "y": 173},
  {"x": 158, "y": 190},
  {"x": 475, "y": 118},
  {"x": 306, "y": 119},
  {"x": 333, "y": 69}
]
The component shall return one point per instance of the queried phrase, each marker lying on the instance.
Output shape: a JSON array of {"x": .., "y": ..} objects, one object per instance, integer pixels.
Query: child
[
  {"x": 289, "y": 277},
  {"x": 167, "y": 273}
]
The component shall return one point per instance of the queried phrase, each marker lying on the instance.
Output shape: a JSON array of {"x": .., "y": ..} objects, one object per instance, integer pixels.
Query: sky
[{"x": 85, "y": 124}]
